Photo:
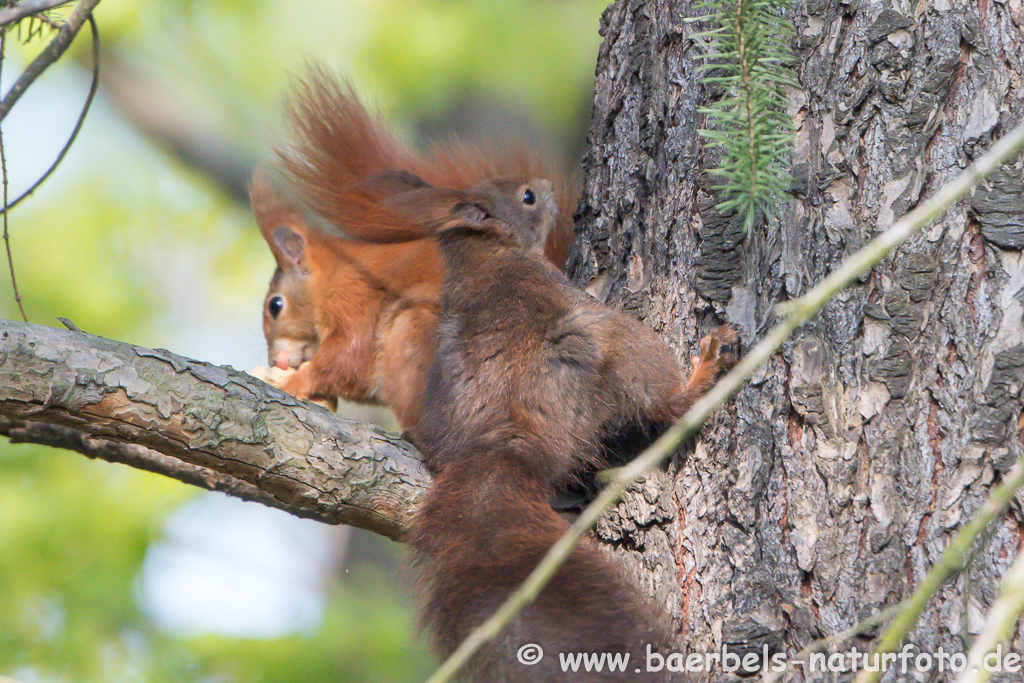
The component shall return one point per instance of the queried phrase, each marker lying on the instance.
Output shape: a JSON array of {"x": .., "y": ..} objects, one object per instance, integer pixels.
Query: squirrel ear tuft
[
  {"x": 431, "y": 207},
  {"x": 289, "y": 248},
  {"x": 470, "y": 212}
]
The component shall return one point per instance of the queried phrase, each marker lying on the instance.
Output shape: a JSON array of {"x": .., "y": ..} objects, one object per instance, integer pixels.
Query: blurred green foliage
[{"x": 129, "y": 242}]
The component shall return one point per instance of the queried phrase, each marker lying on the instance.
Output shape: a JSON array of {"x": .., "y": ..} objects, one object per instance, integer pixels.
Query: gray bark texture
[
  {"x": 209, "y": 426},
  {"x": 825, "y": 490}
]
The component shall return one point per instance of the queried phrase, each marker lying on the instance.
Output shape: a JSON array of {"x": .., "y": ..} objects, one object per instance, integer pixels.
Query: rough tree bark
[
  {"x": 208, "y": 426},
  {"x": 829, "y": 485}
]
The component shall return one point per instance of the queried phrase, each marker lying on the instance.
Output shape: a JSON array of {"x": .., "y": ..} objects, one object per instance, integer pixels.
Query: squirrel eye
[
  {"x": 529, "y": 198},
  {"x": 275, "y": 306}
]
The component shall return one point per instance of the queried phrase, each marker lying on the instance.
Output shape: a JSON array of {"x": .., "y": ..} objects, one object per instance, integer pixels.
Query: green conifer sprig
[
  {"x": 748, "y": 60},
  {"x": 35, "y": 26}
]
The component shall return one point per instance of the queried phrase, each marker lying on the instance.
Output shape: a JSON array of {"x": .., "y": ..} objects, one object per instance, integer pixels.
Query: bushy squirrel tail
[
  {"x": 336, "y": 144},
  {"x": 482, "y": 528}
]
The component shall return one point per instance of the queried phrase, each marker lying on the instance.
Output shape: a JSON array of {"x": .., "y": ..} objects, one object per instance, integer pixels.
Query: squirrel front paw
[
  {"x": 718, "y": 351},
  {"x": 274, "y": 376},
  {"x": 292, "y": 381}
]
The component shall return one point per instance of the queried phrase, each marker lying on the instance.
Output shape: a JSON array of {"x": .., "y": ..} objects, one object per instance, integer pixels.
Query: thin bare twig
[
  {"x": 835, "y": 639},
  {"x": 3, "y": 171},
  {"x": 53, "y": 51},
  {"x": 50, "y": 54},
  {"x": 1000, "y": 623},
  {"x": 954, "y": 559},
  {"x": 81, "y": 117}
]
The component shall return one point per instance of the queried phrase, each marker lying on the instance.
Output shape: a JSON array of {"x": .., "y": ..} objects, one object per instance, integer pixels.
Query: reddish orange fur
[
  {"x": 337, "y": 143},
  {"x": 531, "y": 376},
  {"x": 363, "y": 313},
  {"x": 369, "y": 325}
]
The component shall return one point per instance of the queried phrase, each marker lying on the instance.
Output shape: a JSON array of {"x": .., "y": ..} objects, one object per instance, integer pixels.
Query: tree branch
[
  {"x": 50, "y": 54},
  {"x": 13, "y": 13},
  {"x": 209, "y": 426},
  {"x": 143, "y": 458}
]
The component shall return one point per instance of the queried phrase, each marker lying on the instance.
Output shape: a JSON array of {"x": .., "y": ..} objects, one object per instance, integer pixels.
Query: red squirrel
[
  {"x": 355, "y": 318},
  {"x": 531, "y": 379}
]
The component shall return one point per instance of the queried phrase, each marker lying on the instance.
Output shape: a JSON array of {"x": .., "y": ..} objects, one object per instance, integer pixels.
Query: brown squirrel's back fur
[{"x": 531, "y": 378}]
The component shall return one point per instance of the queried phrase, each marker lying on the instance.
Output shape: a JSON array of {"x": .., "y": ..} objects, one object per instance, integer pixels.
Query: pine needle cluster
[
  {"x": 749, "y": 61},
  {"x": 35, "y": 26}
]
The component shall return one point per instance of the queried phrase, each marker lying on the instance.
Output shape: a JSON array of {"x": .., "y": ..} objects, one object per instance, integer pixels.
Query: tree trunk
[{"x": 827, "y": 488}]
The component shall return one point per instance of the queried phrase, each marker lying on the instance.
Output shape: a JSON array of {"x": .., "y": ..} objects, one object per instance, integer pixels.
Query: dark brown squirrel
[
  {"x": 531, "y": 379},
  {"x": 375, "y": 305}
]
